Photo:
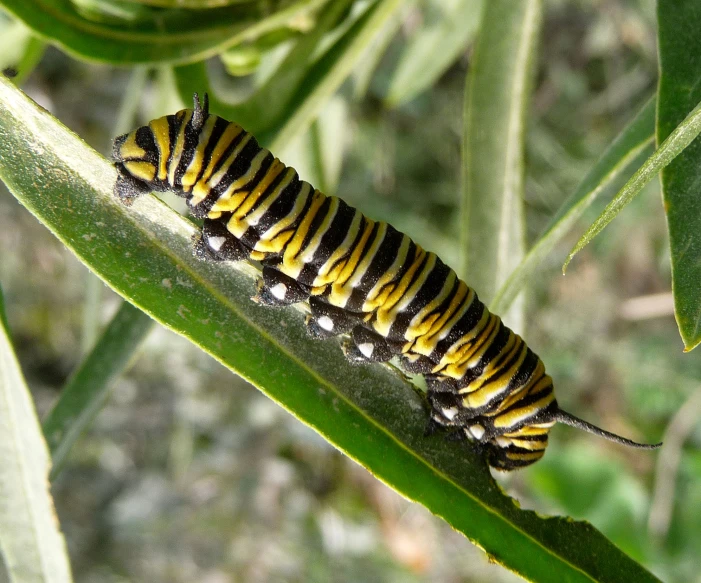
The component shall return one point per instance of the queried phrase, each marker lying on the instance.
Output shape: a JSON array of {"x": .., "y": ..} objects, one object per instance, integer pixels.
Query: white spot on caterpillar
[
  {"x": 366, "y": 349},
  {"x": 279, "y": 291},
  {"x": 216, "y": 242},
  {"x": 503, "y": 441},
  {"x": 450, "y": 413},
  {"x": 477, "y": 431},
  {"x": 326, "y": 323}
]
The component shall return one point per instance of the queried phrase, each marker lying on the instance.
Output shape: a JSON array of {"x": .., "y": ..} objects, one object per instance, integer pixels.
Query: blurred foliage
[{"x": 190, "y": 474}]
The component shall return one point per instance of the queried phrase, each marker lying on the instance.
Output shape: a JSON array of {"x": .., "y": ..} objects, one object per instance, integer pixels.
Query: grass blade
[
  {"x": 625, "y": 154},
  {"x": 31, "y": 544},
  {"x": 677, "y": 141}
]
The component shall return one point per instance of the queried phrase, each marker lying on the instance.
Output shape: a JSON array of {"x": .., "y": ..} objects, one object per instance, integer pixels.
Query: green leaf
[
  {"x": 625, "y": 154},
  {"x": 88, "y": 388},
  {"x": 679, "y": 92},
  {"x": 677, "y": 141},
  {"x": 31, "y": 544},
  {"x": 448, "y": 26},
  {"x": 153, "y": 35},
  {"x": 496, "y": 106},
  {"x": 368, "y": 412},
  {"x": 268, "y": 104}
]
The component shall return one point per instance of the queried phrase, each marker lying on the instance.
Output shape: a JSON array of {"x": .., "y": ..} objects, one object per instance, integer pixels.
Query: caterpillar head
[{"x": 142, "y": 155}]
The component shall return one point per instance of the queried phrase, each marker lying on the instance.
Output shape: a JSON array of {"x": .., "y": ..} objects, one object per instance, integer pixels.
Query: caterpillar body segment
[{"x": 361, "y": 277}]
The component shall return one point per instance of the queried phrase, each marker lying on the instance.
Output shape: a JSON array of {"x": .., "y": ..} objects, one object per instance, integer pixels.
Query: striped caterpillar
[{"x": 360, "y": 277}]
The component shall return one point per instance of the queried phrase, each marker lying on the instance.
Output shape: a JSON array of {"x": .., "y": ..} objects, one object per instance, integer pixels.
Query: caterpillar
[{"x": 360, "y": 277}]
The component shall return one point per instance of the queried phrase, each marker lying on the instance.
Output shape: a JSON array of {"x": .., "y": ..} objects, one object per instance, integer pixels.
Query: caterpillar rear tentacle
[{"x": 361, "y": 277}]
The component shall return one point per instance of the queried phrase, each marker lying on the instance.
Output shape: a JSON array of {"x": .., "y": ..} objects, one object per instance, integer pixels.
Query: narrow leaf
[
  {"x": 31, "y": 544},
  {"x": 679, "y": 139},
  {"x": 625, "y": 154},
  {"x": 369, "y": 412},
  {"x": 679, "y": 92},
  {"x": 496, "y": 107},
  {"x": 88, "y": 388}
]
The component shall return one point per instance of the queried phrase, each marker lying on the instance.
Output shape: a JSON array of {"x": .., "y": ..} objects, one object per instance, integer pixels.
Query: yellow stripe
[
  {"x": 291, "y": 264},
  {"x": 505, "y": 420},
  {"x": 277, "y": 236},
  {"x": 239, "y": 222},
  {"x": 383, "y": 288},
  {"x": 224, "y": 168},
  {"x": 315, "y": 242},
  {"x": 526, "y": 456},
  {"x": 142, "y": 170},
  {"x": 253, "y": 218},
  {"x": 405, "y": 291},
  {"x": 335, "y": 264},
  {"x": 469, "y": 349},
  {"x": 427, "y": 316},
  {"x": 161, "y": 135},
  {"x": 441, "y": 327},
  {"x": 357, "y": 264},
  {"x": 202, "y": 189},
  {"x": 486, "y": 390},
  {"x": 130, "y": 149}
]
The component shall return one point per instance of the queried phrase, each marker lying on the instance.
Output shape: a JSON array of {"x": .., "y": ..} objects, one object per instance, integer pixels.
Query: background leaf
[
  {"x": 88, "y": 388},
  {"x": 679, "y": 93},
  {"x": 153, "y": 36},
  {"x": 447, "y": 27},
  {"x": 496, "y": 107},
  {"x": 31, "y": 544}
]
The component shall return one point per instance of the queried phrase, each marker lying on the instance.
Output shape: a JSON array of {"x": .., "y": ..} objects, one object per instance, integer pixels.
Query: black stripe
[
  {"x": 498, "y": 343},
  {"x": 282, "y": 206},
  {"x": 431, "y": 287},
  {"x": 192, "y": 138},
  {"x": 145, "y": 139},
  {"x": 331, "y": 240},
  {"x": 240, "y": 165},
  {"x": 462, "y": 327},
  {"x": 232, "y": 146},
  {"x": 219, "y": 126},
  {"x": 252, "y": 235},
  {"x": 524, "y": 371},
  {"x": 526, "y": 401},
  {"x": 381, "y": 262}
]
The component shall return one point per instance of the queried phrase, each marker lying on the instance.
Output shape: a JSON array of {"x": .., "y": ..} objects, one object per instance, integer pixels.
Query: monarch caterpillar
[{"x": 360, "y": 277}]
